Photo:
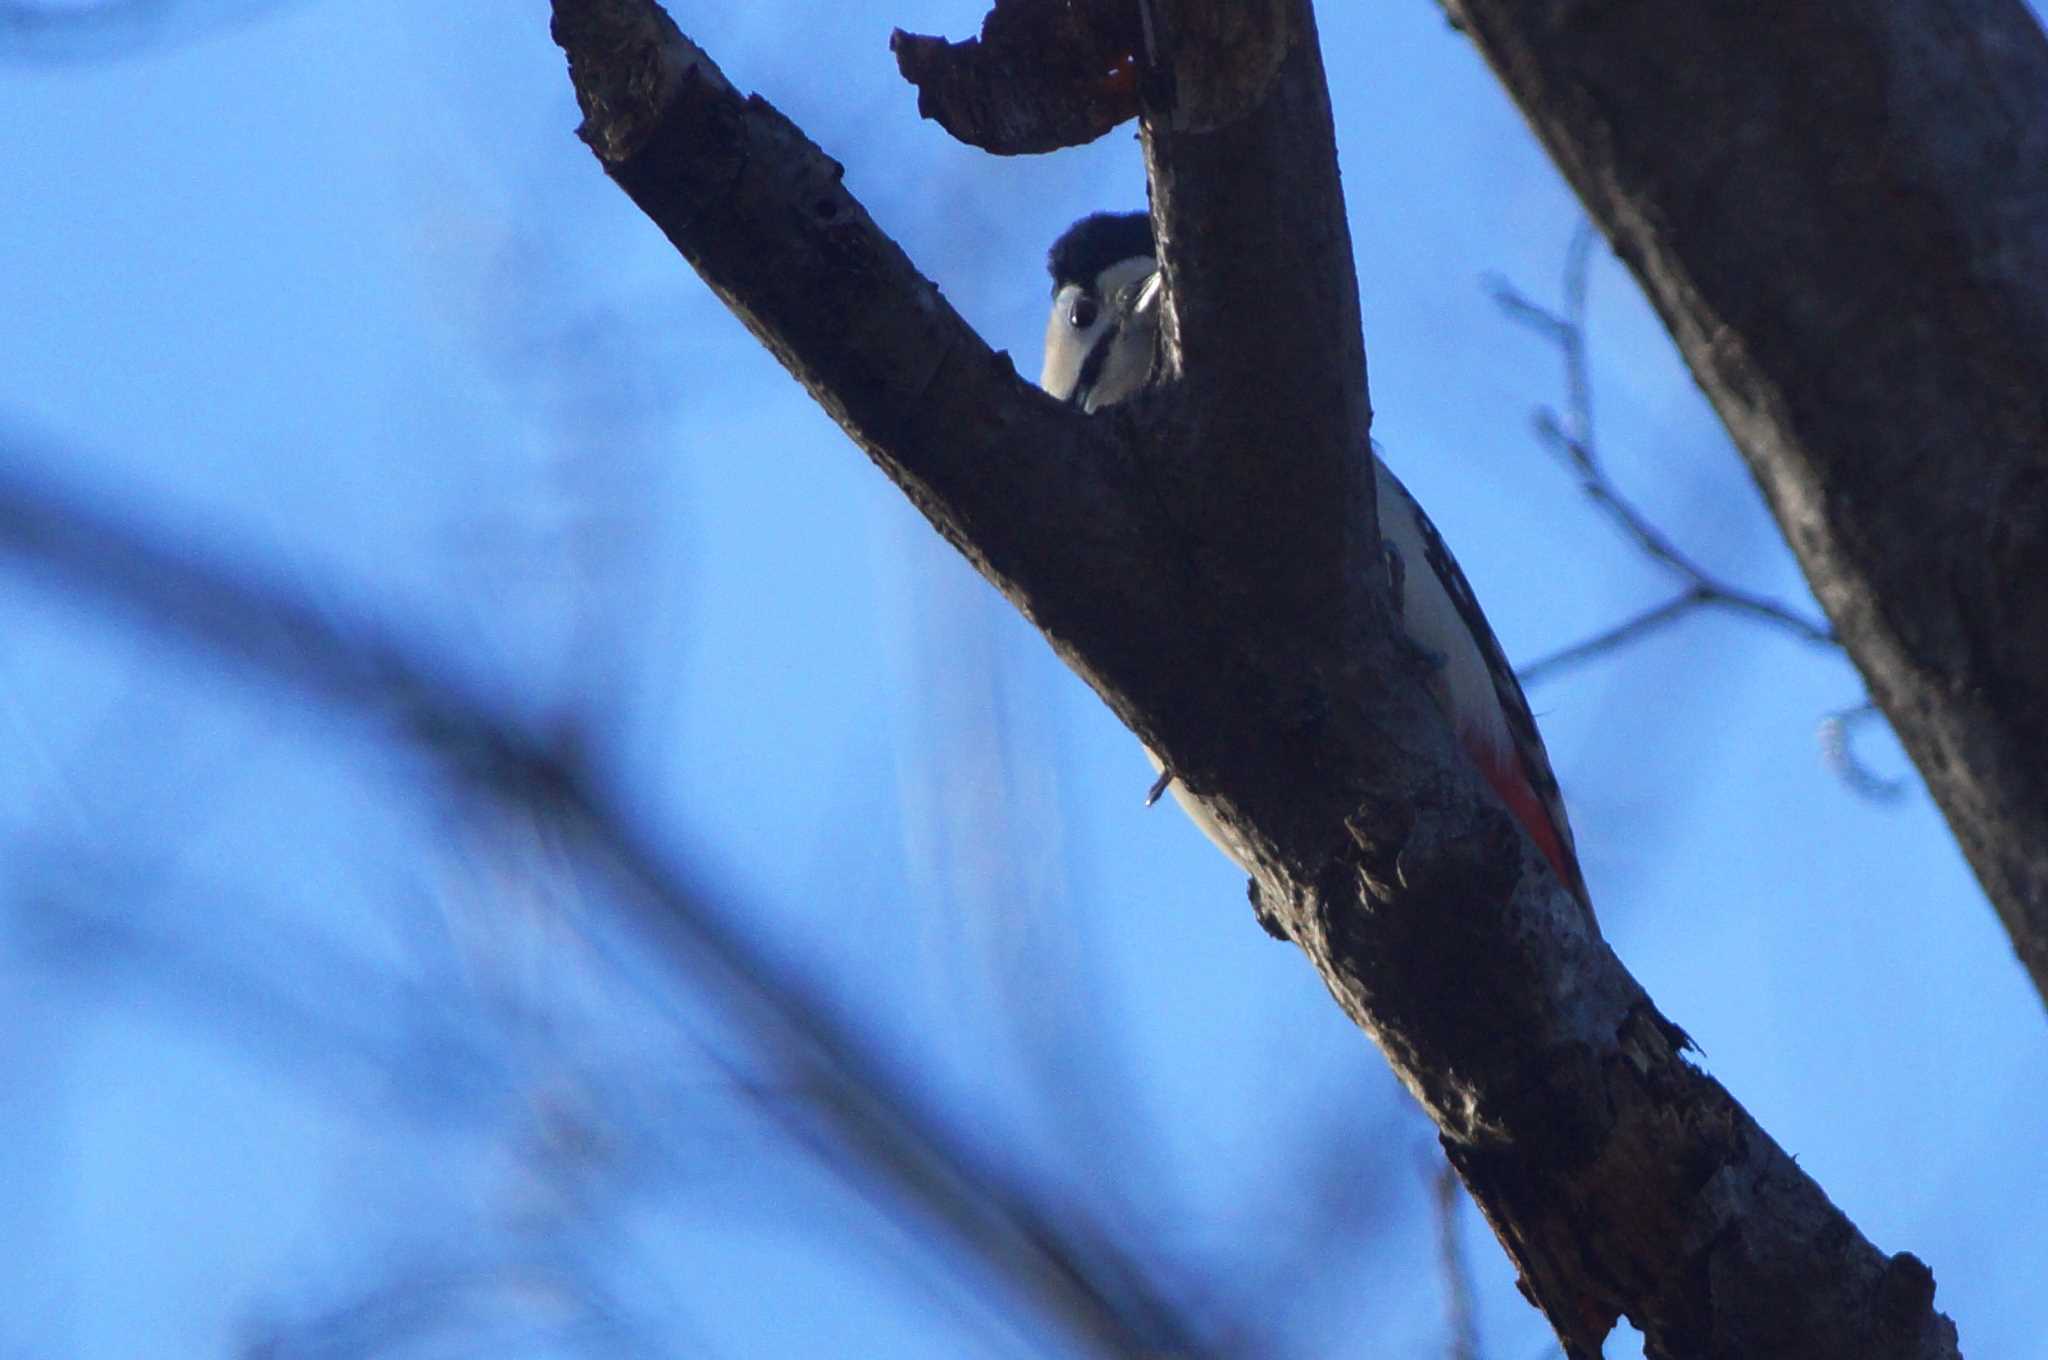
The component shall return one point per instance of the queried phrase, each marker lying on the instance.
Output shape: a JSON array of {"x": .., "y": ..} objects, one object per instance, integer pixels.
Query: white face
[{"x": 1081, "y": 316}]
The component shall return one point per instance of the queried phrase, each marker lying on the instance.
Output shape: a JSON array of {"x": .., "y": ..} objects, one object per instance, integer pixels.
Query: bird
[{"x": 1102, "y": 346}]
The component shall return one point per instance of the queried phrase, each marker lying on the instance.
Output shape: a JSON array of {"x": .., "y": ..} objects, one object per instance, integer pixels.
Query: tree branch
[
  {"x": 1611, "y": 639},
  {"x": 1841, "y": 213},
  {"x": 1571, "y": 437},
  {"x": 1206, "y": 559}
]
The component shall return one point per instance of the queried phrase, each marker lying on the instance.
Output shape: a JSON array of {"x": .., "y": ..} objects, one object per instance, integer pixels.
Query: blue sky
[{"x": 336, "y": 290}]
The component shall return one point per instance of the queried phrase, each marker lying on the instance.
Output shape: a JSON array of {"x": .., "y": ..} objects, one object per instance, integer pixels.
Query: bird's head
[{"x": 1102, "y": 339}]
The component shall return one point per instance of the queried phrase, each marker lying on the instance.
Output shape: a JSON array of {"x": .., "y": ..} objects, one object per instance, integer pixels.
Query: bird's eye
[{"x": 1084, "y": 312}]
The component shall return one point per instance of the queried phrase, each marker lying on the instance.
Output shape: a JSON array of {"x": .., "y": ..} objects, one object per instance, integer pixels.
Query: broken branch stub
[
  {"x": 1049, "y": 74},
  {"x": 1043, "y": 75}
]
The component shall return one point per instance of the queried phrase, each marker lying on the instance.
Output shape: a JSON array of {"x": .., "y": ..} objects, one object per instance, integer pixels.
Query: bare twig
[
  {"x": 1330, "y": 1212},
  {"x": 1627, "y": 631},
  {"x": 1570, "y": 436},
  {"x": 1838, "y": 750}
]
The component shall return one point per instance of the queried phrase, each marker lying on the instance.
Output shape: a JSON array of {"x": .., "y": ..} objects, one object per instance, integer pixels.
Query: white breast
[{"x": 1464, "y": 682}]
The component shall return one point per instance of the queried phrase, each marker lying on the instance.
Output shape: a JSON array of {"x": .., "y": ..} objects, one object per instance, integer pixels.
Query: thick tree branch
[
  {"x": 760, "y": 213},
  {"x": 1263, "y": 320},
  {"x": 1098, "y": 534},
  {"x": 1203, "y": 557},
  {"x": 1841, "y": 212}
]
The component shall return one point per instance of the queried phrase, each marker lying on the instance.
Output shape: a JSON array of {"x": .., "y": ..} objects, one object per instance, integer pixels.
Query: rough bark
[
  {"x": 1841, "y": 212},
  {"x": 1216, "y": 597}
]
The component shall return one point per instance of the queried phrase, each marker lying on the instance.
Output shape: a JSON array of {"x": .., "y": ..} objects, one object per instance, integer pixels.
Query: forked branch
[{"x": 1220, "y": 597}]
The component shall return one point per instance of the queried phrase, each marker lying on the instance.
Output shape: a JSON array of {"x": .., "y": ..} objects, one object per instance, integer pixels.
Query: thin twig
[
  {"x": 1704, "y": 590},
  {"x": 1838, "y": 751},
  {"x": 1570, "y": 436},
  {"x": 1627, "y": 631}
]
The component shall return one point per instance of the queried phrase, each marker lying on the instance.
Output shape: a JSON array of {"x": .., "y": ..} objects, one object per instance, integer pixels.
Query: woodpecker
[{"x": 1102, "y": 345}]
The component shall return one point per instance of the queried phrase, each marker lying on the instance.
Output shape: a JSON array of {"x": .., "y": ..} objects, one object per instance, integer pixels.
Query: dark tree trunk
[{"x": 1841, "y": 212}]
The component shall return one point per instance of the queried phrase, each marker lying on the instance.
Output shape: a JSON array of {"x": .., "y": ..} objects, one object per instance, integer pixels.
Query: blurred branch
[
  {"x": 1461, "y": 1309},
  {"x": 314, "y": 1011},
  {"x": 421, "y": 1302},
  {"x": 1570, "y": 436},
  {"x": 53, "y": 30},
  {"x": 1332, "y": 1212},
  {"x": 1070, "y": 1271}
]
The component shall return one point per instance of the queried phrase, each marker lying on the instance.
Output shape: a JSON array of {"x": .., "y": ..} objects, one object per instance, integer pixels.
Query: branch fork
[{"x": 1207, "y": 562}]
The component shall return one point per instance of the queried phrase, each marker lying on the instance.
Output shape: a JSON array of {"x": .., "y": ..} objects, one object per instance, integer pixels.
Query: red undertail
[{"x": 1503, "y": 770}]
